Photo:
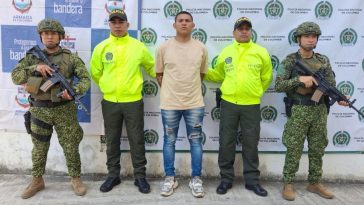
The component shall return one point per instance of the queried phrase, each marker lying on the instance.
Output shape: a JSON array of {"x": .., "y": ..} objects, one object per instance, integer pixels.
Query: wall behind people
[{"x": 273, "y": 21}]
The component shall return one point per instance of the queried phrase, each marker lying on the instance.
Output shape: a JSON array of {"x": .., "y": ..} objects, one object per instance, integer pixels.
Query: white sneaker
[
  {"x": 196, "y": 187},
  {"x": 169, "y": 184}
]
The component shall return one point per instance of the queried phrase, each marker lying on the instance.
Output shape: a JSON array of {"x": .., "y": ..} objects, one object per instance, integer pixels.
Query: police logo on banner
[
  {"x": 273, "y": 9},
  {"x": 362, "y": 64},
  {"x": 275, "y": 62},
  {"x": 348, "y": 37},
  {"x": 150, "y": 88},
  {"x": 148, "y": 36},
  {"x": 346, "y": 88},
  {"x": 114, "y": 4},
  {"x": 238, "y": 138},
  {"x": 214, "y": 61},
  {"x": 171, "y": 9},
  {"x": 323, "y": 10},
  {"x": 254, "y": 36},
  {"x": 203, "y": 89},
  {"x": 361, "y": 119},
  {"x": 151, "y": 137},
  {"x": 268, "y": 114},
  {"x": 222, "y": 9},
  {"x": 22, "y": 97},
  {"x": 341, "y": 139},
  {"x": 22, "y": 5},
  {"x": 199, "y": 34},
  {"x": 203, "y": 135},
  {"x": 215, "y": 114},
  {"x": 292, "y": 38}
]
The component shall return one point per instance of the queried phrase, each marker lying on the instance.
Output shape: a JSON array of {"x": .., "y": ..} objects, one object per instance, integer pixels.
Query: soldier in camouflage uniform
[
  {"x": 48, "y": 110},
  {"x": 306, "y": 118}
]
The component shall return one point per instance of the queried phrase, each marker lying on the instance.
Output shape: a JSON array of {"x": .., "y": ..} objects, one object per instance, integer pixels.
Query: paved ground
[{"x": 58, "y": 191}]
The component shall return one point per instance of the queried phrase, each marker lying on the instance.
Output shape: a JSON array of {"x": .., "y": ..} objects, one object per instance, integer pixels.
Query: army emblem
[
  {"x": 214, "y": 61},
  {"x": 111, "y": 5},
  {"x": 148, "y": 36},
  {"x": 273, "y": 9},
  {"x": 222, "y": 9},
  {"x": 275, "y": 62},
  {"x": 254, "y": 36},
  {"x": 199, "y": 34},
  {"x": 22, "y": 97},
  {"x": 22, "y": 5},
  {"x": 150, "y": 137},
  {"x": 292, "y": 38},
  {"x": 203, "y": 89},
  {"x": 109, "y": 56},
  {"x": 346, "y": 88},
  {"x": 171, "y": 9},
  {"x": 323, "y": 10},
  {"x": 341, "y": 139},
  {"x": 348, "y": 37},
  {"x": 215, "y": 114},
  {"x": 268, "y": 114},
  {"x": 150, "y": 88}
]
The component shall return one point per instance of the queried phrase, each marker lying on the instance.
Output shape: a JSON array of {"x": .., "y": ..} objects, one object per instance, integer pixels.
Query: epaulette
[{"x": 65, "y": 50}]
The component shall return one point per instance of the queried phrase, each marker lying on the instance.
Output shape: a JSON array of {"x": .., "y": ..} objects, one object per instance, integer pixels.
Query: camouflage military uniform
[
  {"x": 305, "y": 120},
  {"x": 62, "y": 117}
]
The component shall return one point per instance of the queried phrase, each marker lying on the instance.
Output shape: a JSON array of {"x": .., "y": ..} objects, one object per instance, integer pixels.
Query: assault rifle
[
  {"x": 324, "y": 87},
  {"x": 56, "y": 77}
]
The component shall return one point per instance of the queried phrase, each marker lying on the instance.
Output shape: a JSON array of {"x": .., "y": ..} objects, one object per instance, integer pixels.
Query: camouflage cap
[
  {"x": 50, "y": 25},
  {"x": 307, "y": 28},
  {"x": 118, "y": 13}
]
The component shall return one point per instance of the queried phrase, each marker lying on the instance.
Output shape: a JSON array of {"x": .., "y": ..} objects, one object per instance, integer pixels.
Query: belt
[
  {"x": 47, "y": 103},
  {"x": 305, "y": 102}
]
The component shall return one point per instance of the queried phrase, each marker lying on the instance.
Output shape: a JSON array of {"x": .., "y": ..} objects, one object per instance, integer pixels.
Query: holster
[
  {"x": 27, "y": 122},
  {"x": 288, "y": 105},
  {"x": 218, "y": 97}
]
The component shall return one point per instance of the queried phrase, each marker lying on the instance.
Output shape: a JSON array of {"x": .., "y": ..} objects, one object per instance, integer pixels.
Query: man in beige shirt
[{"x": 181, "y": 63}]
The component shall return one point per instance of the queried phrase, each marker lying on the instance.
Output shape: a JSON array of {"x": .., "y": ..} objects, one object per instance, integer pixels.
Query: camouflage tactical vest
[
  {"x": 315, "y": 63},
  {"x": 62, "y": 59}
]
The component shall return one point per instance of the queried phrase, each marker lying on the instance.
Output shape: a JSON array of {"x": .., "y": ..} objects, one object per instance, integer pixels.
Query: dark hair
[{"x": 183, "y": 12}]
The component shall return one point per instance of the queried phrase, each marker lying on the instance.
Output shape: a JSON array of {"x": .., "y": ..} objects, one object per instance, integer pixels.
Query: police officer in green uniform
[
  {"x": 306, "y": 118},
  {"x": 48, "y": 111}
]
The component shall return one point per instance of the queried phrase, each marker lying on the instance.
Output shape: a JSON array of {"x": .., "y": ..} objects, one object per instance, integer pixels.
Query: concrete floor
[{"x": 58, "y": 191}]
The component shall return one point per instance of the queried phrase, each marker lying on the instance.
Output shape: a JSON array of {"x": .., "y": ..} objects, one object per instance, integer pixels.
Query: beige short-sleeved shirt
[{"x": 181, "y": 65}]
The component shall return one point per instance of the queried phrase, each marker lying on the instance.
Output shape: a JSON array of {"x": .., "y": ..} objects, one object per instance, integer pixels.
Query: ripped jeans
[{"x": 193, "y": 120}]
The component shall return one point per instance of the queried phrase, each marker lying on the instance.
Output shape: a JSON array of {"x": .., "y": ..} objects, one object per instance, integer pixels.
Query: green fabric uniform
[
  {"x": 60, "y": 113},
  {"x": 306, "y": 121}
]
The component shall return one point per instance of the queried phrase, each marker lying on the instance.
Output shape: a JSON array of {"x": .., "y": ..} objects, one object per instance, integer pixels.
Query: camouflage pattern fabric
[
  {"x": 50, "y": 25},
  {"x": 69, "y": 132},
  {"x": 306, "y": 121},
  {"x": 63, "y": 118}
]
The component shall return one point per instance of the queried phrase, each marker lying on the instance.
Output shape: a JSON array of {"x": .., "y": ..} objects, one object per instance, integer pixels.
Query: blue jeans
[{"x": 193, "y": 120}]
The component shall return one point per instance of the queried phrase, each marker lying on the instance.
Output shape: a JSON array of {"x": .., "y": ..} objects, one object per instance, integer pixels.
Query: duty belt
[
  {"x": 305, "y": 102},
  {"x": 46, "y": 103}
]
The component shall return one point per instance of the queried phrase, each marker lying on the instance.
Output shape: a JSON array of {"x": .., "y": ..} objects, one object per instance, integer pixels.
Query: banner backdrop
[{"x": 85, "y": 21}]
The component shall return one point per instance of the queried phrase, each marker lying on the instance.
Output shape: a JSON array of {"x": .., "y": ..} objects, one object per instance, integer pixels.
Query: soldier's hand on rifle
[
  {"x": 44, "y": 70},
  {"x": 308, "y": 81},
  {"x": 65, "y": 95},
  {"x": 344, "y": 103}
]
